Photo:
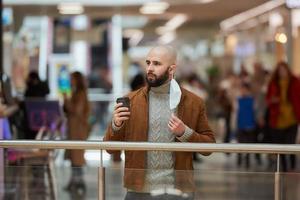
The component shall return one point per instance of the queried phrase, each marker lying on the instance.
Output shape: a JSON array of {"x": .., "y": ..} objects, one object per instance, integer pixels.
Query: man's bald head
[
  {"x": 167, "y": 51},
  {"x": 161, "y": 65}
]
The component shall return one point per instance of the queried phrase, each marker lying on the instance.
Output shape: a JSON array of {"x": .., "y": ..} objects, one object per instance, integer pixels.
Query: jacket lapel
[
  {"x": 146, "y": 103},
  {"x": 181, "y": 105}
]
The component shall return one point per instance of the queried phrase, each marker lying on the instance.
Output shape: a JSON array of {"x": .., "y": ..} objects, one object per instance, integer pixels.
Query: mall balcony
[{"x": 231, "y": 54}]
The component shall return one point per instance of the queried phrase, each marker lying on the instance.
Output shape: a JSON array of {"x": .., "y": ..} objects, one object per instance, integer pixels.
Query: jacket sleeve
[
  {"x": 112, "y": 135},
  {"x": 203, "y": 132}
]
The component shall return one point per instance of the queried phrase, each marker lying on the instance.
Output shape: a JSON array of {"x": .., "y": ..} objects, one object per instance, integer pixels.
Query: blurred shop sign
[
  {"x": 293, "y": 3},
  {"x": 7, "y": 16},
  {"x": 60, "y": 66},
  {"x": 42, "y": 113},
  {"x": 244, "y": 49},
  {"x": 62, "y": 35}
]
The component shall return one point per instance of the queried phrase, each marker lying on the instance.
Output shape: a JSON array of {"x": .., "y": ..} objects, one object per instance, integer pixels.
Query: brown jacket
[
  {"x": 191, "y": 110},
  {"x": 77, "y": 112}
]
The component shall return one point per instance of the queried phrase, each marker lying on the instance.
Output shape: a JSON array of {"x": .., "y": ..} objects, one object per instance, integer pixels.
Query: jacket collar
[{"x": 180, "y": 110}]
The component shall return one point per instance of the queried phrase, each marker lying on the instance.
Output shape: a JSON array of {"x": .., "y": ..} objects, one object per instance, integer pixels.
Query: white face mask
[{"x": 175, "y": 94}]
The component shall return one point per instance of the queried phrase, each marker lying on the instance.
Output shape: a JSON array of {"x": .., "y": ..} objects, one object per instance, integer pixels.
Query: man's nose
[{"x": 150, "y": 67}]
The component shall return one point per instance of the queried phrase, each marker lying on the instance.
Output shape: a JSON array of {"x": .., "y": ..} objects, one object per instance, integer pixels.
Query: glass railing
[
  {"x": 35, "y": 182},
  {"x": 216, "y": 177}
]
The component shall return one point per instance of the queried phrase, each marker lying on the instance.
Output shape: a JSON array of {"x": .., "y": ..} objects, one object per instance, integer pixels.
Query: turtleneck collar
[{"x": 163, "y": 89}]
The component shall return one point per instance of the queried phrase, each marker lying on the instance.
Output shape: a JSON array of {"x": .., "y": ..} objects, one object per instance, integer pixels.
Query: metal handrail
[
  {"x": 192, "y": 147},
  {"x": 147, "y": 146}
]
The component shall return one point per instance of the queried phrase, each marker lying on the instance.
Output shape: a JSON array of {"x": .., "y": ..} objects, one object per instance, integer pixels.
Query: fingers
[
  {"x": 121, "y": 114},
  {"x": 123, "y": 118},
  {"x": 175, "y": 120},
  {"x": 118, "y": 105},
  {"x": 119, "y": 108},
  {"x": 120, "y": 118},
  {"x": 170, "y": 127},
  {"x": 173, "y": 125},
  {"x": 176, "y": 125}
]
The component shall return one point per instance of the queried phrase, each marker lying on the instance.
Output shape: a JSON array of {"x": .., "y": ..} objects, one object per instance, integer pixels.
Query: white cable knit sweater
[{"x": 160, "y": 164}]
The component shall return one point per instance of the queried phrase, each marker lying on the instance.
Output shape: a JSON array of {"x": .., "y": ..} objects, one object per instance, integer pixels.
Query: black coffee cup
[{"x": 125, "y": 102}]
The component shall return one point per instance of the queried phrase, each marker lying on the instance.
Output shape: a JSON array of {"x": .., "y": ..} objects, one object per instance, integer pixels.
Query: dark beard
[{"x": 158, "y": 81}]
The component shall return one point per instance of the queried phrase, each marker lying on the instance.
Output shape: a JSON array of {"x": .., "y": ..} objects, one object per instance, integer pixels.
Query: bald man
[{"x": 150, "y": 119}]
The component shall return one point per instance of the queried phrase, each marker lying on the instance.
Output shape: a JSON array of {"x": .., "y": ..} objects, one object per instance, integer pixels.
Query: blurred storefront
[
  {"x": 104, "y": 39},
  {"x": 268, "y": 33}
]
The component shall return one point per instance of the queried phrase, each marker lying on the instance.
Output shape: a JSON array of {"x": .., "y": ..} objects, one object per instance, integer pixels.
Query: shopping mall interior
[{"x": 64, "y": 63}]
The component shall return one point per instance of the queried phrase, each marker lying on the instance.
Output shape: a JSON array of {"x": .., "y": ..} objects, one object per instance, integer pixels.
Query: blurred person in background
[
  {"x": 283, "y": 100},
  {"x": 225, "y": 112},
  {"x": 195, "y": 85},
  {"x": 259, "y": 80},
  {"x": 5, "y": 112},
  {"x": 244, "y": 74},
  {"x": 259, "y": 84},
  {"x": 35, "y": 87},
  {"x": 103, "y": 82},
  {"x": 155, "y": 117},
  {"x": 137, "y": 82},
  {"x": 77, "y": 111},
  {"x": 225, "y": 98},
  {"x": 233, "y": 93},
  {"x": 246, "y": 125}
]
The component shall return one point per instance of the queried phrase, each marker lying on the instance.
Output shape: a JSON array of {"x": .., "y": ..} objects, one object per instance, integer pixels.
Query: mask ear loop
[
  {"x": 173, "y": 75},
  {"x": 173, "y": 111}
]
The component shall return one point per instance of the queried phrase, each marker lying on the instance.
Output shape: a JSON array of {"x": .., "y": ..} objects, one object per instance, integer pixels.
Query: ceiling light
[
  {"x": 249, "y": 24},
  {"x": 176, "y": 21},
  {"x": 154, "y": 8},
  {"x": 275, "y": 19},
  {"x": 83, "y": 2},
  {"x": 172, "y": 24},
  {"x": 162, "y": 30},
  {"x": 135, "y": 36},
  {"x": 69, "y": 8},
  {"x": 205, "y": 1},
  {"x": 281, "y": 38},
  {"x": 229, "y": 23},
  {"x": 167, "y": 37}
]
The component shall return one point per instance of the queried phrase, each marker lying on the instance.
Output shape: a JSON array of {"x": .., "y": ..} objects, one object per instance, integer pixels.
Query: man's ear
[{"x": 172, "y": 69}]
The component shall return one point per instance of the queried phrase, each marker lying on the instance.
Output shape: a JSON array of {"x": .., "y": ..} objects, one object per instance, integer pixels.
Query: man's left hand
[{"x": 176, "y": 126}]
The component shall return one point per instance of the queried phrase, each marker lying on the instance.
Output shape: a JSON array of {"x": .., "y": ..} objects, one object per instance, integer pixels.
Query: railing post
[
  {"x": 277, "y": 180},
  {"x": 101, "y": 179}
]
